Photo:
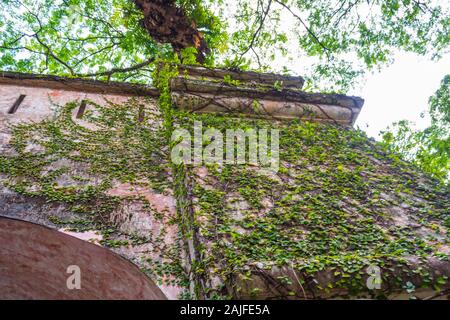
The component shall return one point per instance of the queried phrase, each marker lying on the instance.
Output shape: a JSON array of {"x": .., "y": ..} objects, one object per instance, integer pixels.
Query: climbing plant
[
  {"x": 330, "y": 208},
  {"x": 73, "y": 162},
  {"x": 326, "y": 211}
]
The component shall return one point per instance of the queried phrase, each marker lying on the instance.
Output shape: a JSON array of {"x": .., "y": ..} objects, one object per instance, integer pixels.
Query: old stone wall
[
  {"x": 92, "y": 160},
  {"x": 136, "y": 227}
]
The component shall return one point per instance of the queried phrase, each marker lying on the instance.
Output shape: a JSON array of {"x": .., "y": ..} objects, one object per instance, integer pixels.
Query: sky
[{"x": 400, "y": 91}]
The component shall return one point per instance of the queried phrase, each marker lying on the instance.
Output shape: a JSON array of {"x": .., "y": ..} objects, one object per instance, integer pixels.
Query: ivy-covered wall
[
  {"x": 102, "y": 177},
  {"x": 337, "y": 205}
]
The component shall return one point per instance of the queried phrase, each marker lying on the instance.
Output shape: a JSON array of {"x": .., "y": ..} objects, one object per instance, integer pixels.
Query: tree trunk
[{"x": 168, "y": 24}]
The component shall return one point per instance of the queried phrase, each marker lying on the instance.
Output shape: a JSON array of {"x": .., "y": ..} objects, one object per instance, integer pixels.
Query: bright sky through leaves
[{"x": 400, "y": 91}]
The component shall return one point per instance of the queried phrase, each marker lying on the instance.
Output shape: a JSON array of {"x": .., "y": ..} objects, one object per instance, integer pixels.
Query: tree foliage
[
  {"x": 428, "y": 148},
  {"x": 333, "y": 41},
  {"x": 346, "y": 37},
  {"x": 74, "y": 38}
]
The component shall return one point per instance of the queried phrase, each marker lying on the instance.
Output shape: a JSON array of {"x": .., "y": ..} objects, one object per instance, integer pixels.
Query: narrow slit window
[
  {"x": 16, "y": 104},
  {"x": 81, "y": 109}
]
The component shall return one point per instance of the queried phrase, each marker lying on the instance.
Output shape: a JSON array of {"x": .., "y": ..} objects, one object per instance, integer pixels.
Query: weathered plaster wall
[
  {"x": 131, "y": 218},
  {"x": 40, "y": 103},
  {"x": 263, "y": 101},
  {"x": 337, "y": 203}
]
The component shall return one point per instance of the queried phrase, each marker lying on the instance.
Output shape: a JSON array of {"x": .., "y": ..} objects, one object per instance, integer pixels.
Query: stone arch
[{"x": 34, "y": 261}]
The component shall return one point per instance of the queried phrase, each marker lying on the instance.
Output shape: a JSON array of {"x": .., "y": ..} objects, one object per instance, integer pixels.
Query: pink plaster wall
[
  {"x": 130, "y": 218},
  {"x": 40, "y": 102}
]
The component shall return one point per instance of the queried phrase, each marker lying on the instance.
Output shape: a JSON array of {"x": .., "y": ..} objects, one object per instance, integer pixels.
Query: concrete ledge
[
  {"x": 201, "y": 89},
  {"x": 269, "y": 79},
  {"x": 76, "y": 84},
  {"x": 209, "y": 96}
]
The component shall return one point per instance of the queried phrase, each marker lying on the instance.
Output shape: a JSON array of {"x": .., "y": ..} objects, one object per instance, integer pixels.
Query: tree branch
[
  {"x": 109, "y": 73},
  {"x": 255, "y": 35},
  {"x": 326, "y": 50}
]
